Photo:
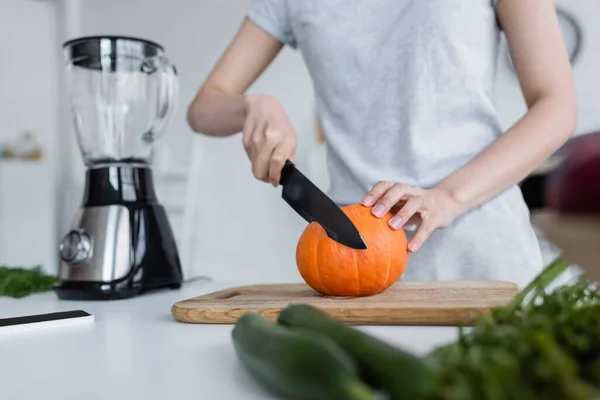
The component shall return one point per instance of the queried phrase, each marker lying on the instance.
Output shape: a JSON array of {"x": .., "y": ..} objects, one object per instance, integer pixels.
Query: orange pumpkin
[{"x": 333, "y": 269}]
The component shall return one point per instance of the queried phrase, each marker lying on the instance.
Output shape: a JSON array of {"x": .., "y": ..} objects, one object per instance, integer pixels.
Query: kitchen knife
[{"x": 315, "y": 206}]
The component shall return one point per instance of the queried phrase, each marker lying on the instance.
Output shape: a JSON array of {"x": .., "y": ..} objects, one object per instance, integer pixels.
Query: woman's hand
[
  {"x": 434, "y": 208},
  {"x": 268, "y": 137}
]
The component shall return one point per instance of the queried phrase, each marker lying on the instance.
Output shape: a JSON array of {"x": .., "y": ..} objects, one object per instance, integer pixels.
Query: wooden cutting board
[{"x": 405, "y": 303}]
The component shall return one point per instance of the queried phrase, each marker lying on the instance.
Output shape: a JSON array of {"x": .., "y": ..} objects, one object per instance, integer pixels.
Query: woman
[{"x": 404, "y": 92}]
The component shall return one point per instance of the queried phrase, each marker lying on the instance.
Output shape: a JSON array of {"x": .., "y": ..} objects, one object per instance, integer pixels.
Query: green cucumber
[
  {"x": 296, "y": 364},
  {"x": 400, "y": 374}
]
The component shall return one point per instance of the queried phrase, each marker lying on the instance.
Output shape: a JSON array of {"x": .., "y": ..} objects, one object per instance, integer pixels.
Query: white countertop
[{"x": 136, "y": 350}]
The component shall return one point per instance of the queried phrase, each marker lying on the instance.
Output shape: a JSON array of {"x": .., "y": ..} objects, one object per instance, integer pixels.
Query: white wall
[
  {"x": 28, "y": 101},
  {"x": 27, "y": 70}
]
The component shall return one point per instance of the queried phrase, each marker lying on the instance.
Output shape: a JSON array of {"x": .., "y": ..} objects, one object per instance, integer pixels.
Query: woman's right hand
[
  {"x": 268, "y": 137},
  {"x": 221, "y": 108}
]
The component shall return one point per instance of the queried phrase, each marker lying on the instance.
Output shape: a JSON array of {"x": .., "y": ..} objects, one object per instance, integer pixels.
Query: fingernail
[
  {"x": 367, "y": 200},
  {"x": 395, "y": 222},
  {"x": 378, "y": 210},
  {"x": 413, "y": 247}
]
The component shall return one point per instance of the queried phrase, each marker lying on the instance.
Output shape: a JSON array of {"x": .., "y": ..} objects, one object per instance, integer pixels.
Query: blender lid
[{"x": 92, "y": 51}]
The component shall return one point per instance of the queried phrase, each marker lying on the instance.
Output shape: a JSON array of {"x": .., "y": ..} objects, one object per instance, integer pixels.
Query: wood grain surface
[{"x": 405, "y": 303}]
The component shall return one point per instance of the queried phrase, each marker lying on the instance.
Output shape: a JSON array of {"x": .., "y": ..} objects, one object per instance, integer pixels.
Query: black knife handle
[{"x": 287, "y": 169}]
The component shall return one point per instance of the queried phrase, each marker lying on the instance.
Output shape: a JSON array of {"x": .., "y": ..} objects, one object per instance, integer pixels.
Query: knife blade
[{"x": 315, "y": 206}]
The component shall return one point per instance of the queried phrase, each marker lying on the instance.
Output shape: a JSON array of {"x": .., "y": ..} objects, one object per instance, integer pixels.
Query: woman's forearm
[
  {"x": 546, "y": 126},
  {"x": 216, "y": 113}
]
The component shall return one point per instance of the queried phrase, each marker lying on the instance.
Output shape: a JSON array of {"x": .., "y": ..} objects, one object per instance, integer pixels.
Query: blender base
[
  {"x": 93, "y": 291},
  {"x": 89, "y": 291},
  {"x": 120, "y": 243}
]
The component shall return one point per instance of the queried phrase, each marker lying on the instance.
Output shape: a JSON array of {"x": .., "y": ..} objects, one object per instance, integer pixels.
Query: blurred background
[{"x": 228, "y": 225}]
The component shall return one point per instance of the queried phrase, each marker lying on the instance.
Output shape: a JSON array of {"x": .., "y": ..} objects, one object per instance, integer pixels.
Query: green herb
[
  {"x": 543, "y": 345},
  {"x": 21, "y": 282}
]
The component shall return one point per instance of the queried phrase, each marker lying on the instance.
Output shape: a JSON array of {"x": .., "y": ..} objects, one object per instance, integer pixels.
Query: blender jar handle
[{"x": 167, "y": 95}]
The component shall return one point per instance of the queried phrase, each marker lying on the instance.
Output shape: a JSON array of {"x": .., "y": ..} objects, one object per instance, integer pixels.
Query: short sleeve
[{"x": 272, "y": 16}]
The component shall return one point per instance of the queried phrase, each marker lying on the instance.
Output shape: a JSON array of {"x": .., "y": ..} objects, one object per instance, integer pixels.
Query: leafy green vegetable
[
  {"x": 543, "y": 345},
  {"x": 21, "y": 282}
]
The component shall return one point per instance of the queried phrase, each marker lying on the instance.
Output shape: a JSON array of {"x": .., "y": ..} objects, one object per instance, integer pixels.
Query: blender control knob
[{"x": 75, "y": 247}]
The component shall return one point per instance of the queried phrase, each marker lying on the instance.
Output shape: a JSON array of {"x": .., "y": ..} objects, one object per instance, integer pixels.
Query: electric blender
[{"x": 122, "y": 93}]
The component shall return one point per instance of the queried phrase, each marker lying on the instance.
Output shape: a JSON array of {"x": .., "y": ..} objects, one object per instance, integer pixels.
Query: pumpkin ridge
[
  {"x": 356, "y": 264},
  {"x": 316, "y": 263},
  {"x": 354, "y": 258},
  {"x": 389, "y": 246}
]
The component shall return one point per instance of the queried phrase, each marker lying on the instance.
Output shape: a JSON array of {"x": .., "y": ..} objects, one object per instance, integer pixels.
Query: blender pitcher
[{"x": 122, "y": 93}]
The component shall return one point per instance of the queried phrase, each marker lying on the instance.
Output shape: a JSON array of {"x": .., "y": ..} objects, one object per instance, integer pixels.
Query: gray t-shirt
[{"x": 404, "y": 91}]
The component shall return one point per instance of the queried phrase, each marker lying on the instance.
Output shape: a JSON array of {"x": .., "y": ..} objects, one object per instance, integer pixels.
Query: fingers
[
  {"x": 376, "y": 192},
  {"x": 262, "y": 152},
  {"x": 284, "y": 151},
  {"x": 268, "y": 150},
  {"x": 412, "y": 206},
  {"x": 424, "y": 231},
  {"x": 385, "y": 196},
  {"x": 391, "y": 197}
]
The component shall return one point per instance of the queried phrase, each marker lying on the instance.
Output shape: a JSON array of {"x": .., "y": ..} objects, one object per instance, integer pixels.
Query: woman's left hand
[{"x": 435, "y": 208}]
